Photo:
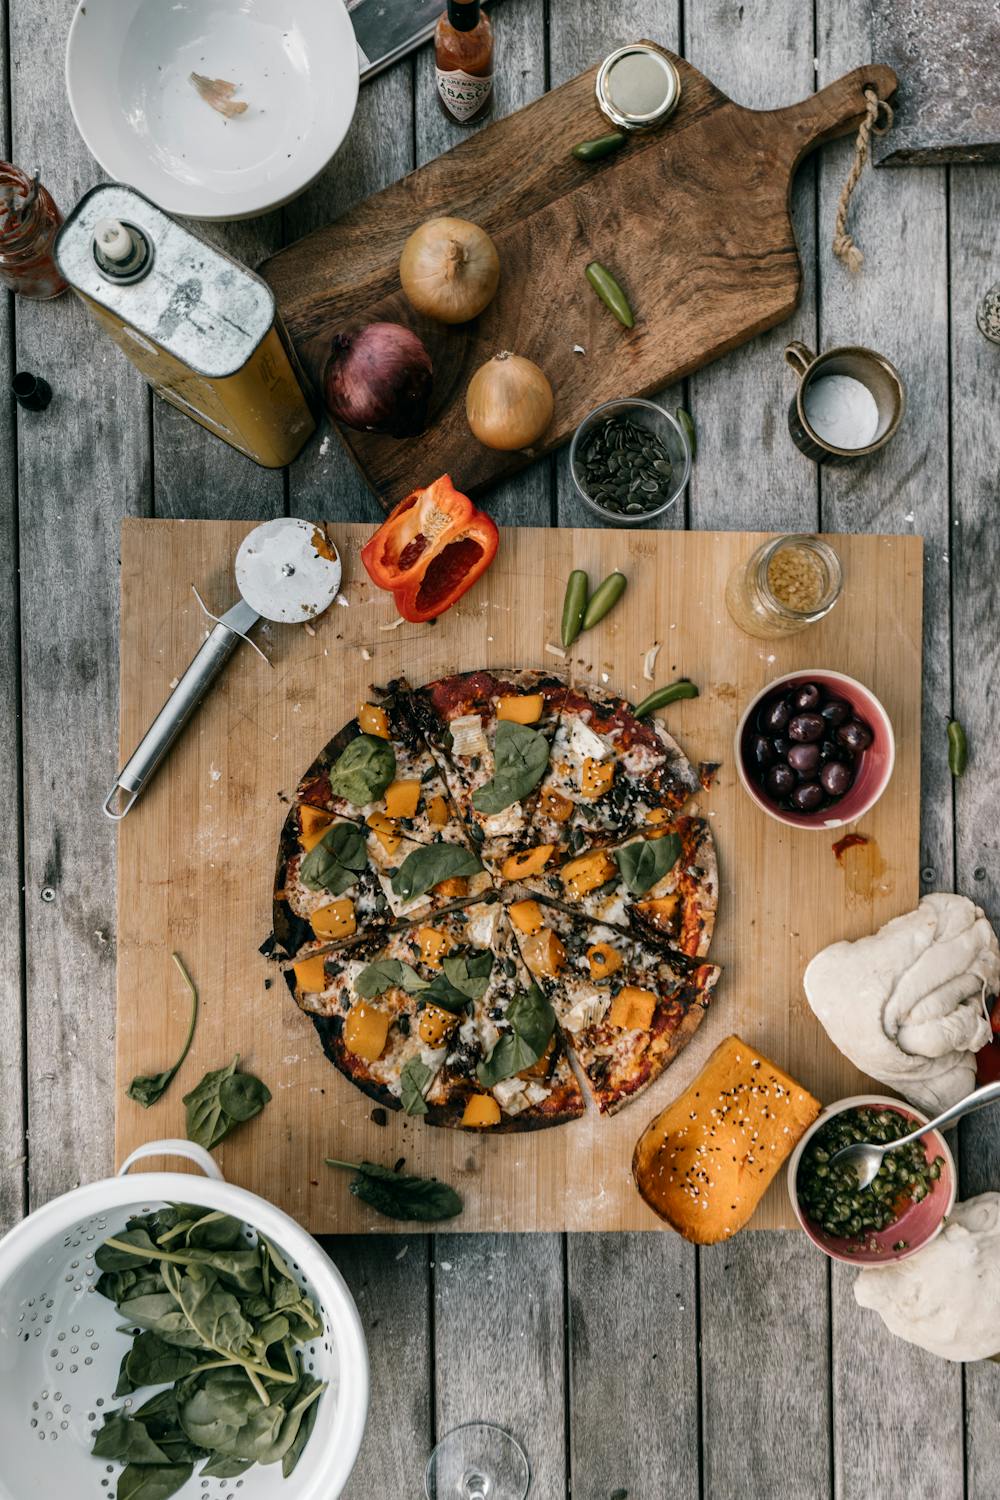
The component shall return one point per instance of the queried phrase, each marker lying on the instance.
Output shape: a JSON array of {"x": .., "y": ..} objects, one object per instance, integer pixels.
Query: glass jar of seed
[
  {"x": 630, "y": 461},
  {"x": 784, "y": 586}
]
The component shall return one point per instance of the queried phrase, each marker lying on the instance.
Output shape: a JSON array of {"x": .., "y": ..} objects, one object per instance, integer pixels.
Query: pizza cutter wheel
[{"x": 286, "y": 571}]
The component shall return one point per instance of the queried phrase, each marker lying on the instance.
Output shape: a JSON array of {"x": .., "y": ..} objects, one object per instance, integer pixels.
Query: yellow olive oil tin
[{"x": 201, "y": 328}]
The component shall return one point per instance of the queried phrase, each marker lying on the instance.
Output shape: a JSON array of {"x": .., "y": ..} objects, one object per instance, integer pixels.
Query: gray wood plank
[
  {"x": 747, "y": 468},
  {"x": 13, "y": 1145},
  {"x": 323, "y": 482},
  {"x": 896, "y": 1410},
  {"x": 633, "y": 1353},
  {"x": 499, "y": 1342},
  {"x": 82, "y": 464},
  {"x": 975, "y": 404},
  {"x": 519, "y": 63},
  {"x": 761, "y": 56},
  {"x": 764, "y": 1358},
  {"x": 579, "y": 36},
  {"x": 388, "y": 1277}
]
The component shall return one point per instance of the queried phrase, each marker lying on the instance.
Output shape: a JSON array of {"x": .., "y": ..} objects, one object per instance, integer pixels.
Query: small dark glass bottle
[{"x": 463, "y": 56}]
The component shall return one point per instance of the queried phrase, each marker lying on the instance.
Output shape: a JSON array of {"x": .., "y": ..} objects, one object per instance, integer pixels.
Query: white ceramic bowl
[
  {"x": 60, "y": 1347},
  {"x": 295, "y": 64}
]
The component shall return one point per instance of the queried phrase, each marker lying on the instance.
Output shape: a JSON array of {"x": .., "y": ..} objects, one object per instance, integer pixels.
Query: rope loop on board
[{"x": 878, "y": 119}]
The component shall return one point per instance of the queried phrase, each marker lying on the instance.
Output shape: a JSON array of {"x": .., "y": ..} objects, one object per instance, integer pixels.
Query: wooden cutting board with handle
[{"x": 693, "y": 219}]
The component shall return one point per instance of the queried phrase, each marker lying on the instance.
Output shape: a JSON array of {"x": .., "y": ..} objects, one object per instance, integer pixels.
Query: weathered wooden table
[{"x": 623, "y": 1362}]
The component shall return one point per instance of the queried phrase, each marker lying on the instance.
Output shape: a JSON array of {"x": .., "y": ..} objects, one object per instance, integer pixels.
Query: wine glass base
[{"x": 477, "y": 1461}]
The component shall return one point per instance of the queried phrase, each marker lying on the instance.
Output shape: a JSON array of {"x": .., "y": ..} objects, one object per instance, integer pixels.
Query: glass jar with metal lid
[
  {"x": 637, "y": 87},
  {"x": 784, "y": 586}
]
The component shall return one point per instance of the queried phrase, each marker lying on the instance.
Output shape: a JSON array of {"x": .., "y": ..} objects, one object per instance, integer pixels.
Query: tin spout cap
[{"x": 121, "y": 250}]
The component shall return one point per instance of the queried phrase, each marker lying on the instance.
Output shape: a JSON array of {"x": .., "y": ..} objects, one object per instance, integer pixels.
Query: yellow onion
[
  {"x": 509, "y": 402},
  {"x": 449, "y": 269}
]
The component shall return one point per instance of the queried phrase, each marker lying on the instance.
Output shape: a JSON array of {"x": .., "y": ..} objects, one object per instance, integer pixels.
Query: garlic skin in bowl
[{"x": 906, "y": 1004}]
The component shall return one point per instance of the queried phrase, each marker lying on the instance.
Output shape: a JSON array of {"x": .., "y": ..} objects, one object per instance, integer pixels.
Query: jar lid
[{"x": 637, "y": 87}]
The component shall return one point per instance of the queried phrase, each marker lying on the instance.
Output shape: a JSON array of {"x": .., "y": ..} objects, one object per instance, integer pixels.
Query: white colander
[{"x": 60, "y": 1350}]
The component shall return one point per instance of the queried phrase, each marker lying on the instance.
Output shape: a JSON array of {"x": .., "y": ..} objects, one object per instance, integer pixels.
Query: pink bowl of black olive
[{"x": 815, "y": 749}]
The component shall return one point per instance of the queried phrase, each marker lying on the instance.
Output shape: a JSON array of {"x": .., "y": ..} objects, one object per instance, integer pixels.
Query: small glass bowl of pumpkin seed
[{"x": 630, "y": 461}]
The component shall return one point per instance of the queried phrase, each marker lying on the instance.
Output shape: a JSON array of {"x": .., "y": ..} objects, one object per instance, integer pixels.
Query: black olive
[
  {"x": 855, "y": 735},
  {"x": 805, "y": 697},
  {"x": 836, "y": 778},
  {"x": 807, "y": 797},
  {"x": 835, "y": 711},
  {"x": 774, "y": 715},
  {"x": 830, "y": 750},
  {"x": 804, "y": 759},
  {"x": 762, "y": 751},
  {"x": 782, "y": 745},
  {"x": 780, "y": 780},
  {"x": 806, "y": 727}
]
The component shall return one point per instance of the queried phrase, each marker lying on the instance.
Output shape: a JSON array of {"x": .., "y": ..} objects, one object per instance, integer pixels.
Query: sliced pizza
[
  {"x": 339, "y": 881},
  {"x": 379, "y": 770},
  {"x": 414, "y": 1023},
  {"x": 664, "y": 884},
  {"x": 635, "y": 1027},
  {"x": 492, "y": 733},
  {"x": 610, "y": 775}
]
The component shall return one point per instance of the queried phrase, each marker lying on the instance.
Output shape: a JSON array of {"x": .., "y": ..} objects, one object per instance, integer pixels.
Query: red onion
[{"x": 379, "y": 380}]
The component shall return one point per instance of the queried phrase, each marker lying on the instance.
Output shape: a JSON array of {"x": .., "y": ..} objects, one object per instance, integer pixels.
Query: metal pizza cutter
[{"x": 286, "y": 571}]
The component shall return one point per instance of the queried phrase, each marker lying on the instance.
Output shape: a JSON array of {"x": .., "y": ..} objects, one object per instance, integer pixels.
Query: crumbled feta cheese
[{"x": 467, "y": 736}]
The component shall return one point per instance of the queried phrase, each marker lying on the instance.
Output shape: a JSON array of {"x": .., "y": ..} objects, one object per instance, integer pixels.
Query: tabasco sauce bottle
[{"x": 463, "y": 55}]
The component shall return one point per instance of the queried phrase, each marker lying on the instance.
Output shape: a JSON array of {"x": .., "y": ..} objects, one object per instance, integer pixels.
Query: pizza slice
[
  {"x": 663, "y": 884},
  {"x": 414, "y": 1021},
  {"x": 379, "y": 770},
  {"x": 326, "y": 891},
  {"x": 652, "y": 1007},
  {"x": 610, "y": 775},
  {"x": 491, "y": 731}
]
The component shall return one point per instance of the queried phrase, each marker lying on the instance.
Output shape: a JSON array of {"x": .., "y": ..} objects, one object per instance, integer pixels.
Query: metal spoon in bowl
[{"x": 865, "y": 1157}]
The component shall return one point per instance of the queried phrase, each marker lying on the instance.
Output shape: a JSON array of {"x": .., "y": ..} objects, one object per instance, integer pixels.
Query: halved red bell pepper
[{"x": 430, "y": 550}]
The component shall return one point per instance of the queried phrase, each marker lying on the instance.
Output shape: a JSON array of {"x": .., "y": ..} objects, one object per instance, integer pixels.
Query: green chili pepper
[
  {"x": 660, "y": 697},
  {"x": 687, "y": 424},
  {"x": 604, "y": 145},
  {"x": 610, "y": 292},
  {"x": 603, "y": 599},
  {"x": 958, "y": 748},
  {"x": 574, "y": 605}
]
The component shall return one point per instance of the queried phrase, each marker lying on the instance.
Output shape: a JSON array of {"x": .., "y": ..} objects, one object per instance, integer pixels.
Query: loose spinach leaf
[
  {"x": 139, "y": 1482},
  {"x": 532, "y": 1022},
  {"x": 387, "y": 974},
  {"x": 221, "y": 1467},
  {"x": 469, "y": 974},
  {"x": 429, "y": 865},
  {"x": 362, "y": 773},
  {"x": 126, "y": 1251},
  {"x": 242, "y": 1096},
  {"x": 414, "y": 1078},
  {"x": 222, "y": 1100},
  {"x": 213, "y": 1231},
  {"x": 335, "y": 863},
  {"x": 146, "y": 1090},
  {"x": 151, "y": 1361},
  {"x": 127, "y": 1440},
  {"x": 398, "y": 1196},
  {"x": 646, "y": 861},
  {"x": 294, "y": 1452},
  {"x": 521, "y": 756}
]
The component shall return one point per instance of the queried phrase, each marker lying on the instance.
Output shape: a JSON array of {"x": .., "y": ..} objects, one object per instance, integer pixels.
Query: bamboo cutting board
[
  {"x": 196, "y": 856},
  {"x": 693, "y": 219}
]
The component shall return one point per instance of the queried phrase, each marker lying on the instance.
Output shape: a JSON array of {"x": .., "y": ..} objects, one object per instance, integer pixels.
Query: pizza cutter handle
[{"x": 175, "y": 713}]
